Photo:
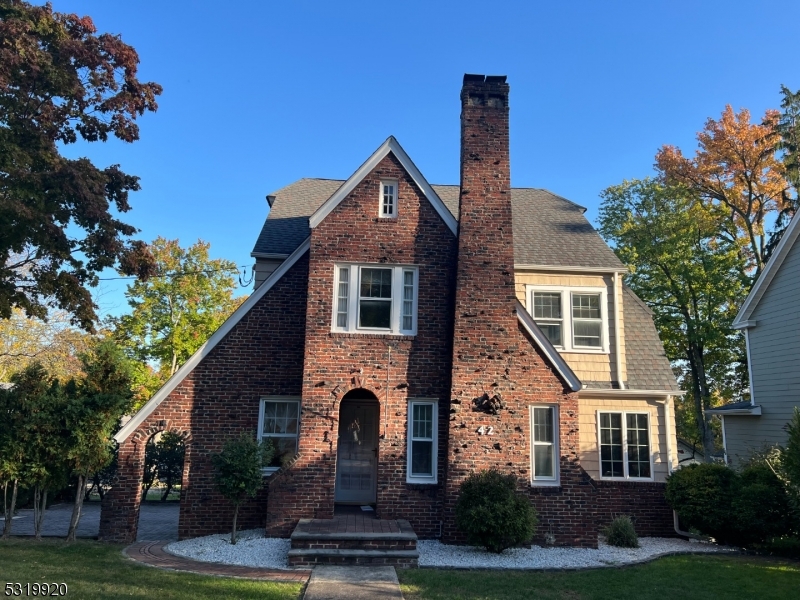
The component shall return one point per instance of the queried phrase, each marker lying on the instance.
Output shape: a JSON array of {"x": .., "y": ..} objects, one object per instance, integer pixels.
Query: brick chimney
[
  {"x": 486, "y": 338},
  {"x": 485, "y": 277}
]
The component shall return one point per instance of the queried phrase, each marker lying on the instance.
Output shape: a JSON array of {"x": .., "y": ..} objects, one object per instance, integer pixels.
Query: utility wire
[{"x": 181, "y": 274}]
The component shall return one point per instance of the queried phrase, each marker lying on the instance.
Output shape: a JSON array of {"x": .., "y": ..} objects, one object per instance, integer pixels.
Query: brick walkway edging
[{"x": 153, "y": 554}]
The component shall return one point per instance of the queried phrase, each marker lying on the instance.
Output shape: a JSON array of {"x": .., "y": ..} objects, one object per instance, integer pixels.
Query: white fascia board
[
  {"x": 206, "y": 348},
  {"x": 753, "y": 411},
  {"x": 393, "y": 146},
  {"x": 768, "y": 274},
  {"x": 627, "y": 393},
  {"x": 598, "y": 270},
  {"x": 549, "y": 350}
]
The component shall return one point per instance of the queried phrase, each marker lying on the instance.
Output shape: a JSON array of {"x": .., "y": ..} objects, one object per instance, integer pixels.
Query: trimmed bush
[
  {"x": 761, "y": 508},
  {"x": 703, "y": 494},
  {"x": 621, "y": 533},
  {"x": 492, "y": 514}
]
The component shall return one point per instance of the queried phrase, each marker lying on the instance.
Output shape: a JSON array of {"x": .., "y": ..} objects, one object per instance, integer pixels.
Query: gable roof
[
  {"x": 561, "y": 366},
  {"x": 548, "y": 229},
  {"x": 393, "y": 146},
  {"x": 206, "y": 348},
  {"x": 768, "y": 274}
]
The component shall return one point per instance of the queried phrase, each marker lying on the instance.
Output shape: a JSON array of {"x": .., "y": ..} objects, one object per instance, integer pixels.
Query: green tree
[
  {"x": 169, "y": 466},
  {"x": 61, "y": 82},
  {"x": 95, "y": 406},
  {"x": 175, "y": 312},
  {"x": 11, "y": 454},
  {"x": 238, "y": 471},
  {"x": 692, "y": 279},
  {"x": 43, "y": 434}
]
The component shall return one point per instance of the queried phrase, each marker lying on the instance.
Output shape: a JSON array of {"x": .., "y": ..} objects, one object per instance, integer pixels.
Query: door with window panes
[{"x": 357, "y": 455}]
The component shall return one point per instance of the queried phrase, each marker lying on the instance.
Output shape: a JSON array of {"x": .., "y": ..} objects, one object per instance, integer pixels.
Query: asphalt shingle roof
[{"x": 548, "y": 229}]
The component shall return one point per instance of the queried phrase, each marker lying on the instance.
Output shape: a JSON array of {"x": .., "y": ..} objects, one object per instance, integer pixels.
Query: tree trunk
[
  {"x": 8, "y": 509},
  {"x": 39, "y": 504},
  {"x": 166, "y": 492},
  {"x": 702, "y": 399},
  {"x": 145, "y": 489},
  {"x": 76, "y": 509},
  {"x": 235, "y": 515}
]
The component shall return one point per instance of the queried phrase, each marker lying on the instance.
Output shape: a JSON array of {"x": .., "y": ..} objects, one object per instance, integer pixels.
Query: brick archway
[{"x": 119, "y": 511}]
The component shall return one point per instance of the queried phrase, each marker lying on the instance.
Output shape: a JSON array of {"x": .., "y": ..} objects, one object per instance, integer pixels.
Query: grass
[
  {"x": 95, "y": 570},
  {"x": 684, "y": 577}
]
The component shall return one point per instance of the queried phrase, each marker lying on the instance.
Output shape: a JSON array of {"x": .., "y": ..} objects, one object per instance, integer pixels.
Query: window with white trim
[
  {"x": 544, "y": 444},
  {"x": 375, "y": 299},
  {"x": 388, "y": 199},
  {"x": 573, "y": 319},
  {"x": 624, "y": 441},
  {"x": 422, "y": 441},
  {"x": 279, "y": 422}
]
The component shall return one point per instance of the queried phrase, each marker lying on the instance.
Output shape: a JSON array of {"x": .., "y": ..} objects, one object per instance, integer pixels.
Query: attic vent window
[{"x": 388, "y": 200}]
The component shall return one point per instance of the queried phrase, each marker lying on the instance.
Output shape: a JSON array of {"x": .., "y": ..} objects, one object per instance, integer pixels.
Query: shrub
[
  {"x": 621, "y": 533},
  {"x": 760, "y": 509},
  {"x": 703, "y": 494},
  {"x": 492, "y": 514}
]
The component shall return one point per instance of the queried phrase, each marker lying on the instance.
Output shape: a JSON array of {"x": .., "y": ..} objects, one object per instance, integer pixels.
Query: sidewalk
[{"x": 353, "y": 583}]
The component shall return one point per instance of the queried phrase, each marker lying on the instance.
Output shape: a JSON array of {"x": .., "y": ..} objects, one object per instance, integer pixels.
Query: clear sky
[{"x": 259, "y": 94}]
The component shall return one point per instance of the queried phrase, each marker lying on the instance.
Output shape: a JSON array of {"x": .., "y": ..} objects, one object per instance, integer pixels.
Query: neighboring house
[
  {"x": 770, "y": 319},
  {"x": 689, "y": 454},
  {"x": 402, "y": 335}
]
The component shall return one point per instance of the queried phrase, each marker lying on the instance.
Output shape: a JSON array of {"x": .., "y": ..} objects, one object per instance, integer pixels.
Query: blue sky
[{"x": 259, "y": 94}]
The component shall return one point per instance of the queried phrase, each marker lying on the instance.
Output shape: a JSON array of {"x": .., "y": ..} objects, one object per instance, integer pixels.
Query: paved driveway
[{"x": 157, "y": 521}]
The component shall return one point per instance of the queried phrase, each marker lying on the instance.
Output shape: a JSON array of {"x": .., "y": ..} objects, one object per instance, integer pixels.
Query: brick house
[{"x": 402, "y": 335}]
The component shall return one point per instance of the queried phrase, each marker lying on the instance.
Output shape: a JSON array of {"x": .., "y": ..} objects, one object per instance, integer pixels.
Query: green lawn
[
  {"x": 96, "y": 570},
  {"x": 684, "y": 577}
]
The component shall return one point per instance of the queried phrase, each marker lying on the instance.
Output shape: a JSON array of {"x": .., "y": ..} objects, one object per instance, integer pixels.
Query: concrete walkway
[
  {"x": 353, "y": 583},
  {"x": 157, "y": 521}
]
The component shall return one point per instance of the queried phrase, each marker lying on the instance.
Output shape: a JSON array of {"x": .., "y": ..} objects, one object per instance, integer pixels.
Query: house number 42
[{"x": 485, "y": 430}]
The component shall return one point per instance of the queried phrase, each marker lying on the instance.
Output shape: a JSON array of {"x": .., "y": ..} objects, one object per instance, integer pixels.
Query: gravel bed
[
  {"x": 254, "y": 550},
  {"x": 433, "y": 553}
]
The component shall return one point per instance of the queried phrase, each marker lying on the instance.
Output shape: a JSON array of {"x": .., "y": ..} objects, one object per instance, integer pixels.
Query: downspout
[
  {"x": 617, "y": 312},
  {"x": 675, "y": 522}
]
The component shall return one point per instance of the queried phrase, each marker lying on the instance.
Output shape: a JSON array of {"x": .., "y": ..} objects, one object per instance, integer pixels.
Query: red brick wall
[
  {"x": 643, "y": 501},
  {"x": 219, "y": 399},
  {"x": 492, "y": 356},
  {"x": 336, "y": 363}
]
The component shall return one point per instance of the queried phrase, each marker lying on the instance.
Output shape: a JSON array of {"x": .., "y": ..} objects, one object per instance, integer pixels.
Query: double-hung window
[
  {"x": 422, "y": 441},
  {"x": 624, "y": 441},
  {"x": 544, "y": 444},
  {"x": 388, "y": 200},
  {"x": 573, "y": 319},
  {"x": 278, "y": 423},
  {"x": 375, "y": 299}
]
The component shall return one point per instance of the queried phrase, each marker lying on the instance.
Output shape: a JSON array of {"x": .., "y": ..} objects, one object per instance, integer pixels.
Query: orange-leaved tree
[{"x": 736, "y": 168}]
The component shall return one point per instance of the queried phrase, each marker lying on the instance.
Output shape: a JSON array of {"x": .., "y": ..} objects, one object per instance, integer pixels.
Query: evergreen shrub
[
  {"x": 492, "y": 514},
  {"x": 622, "y": 533}
]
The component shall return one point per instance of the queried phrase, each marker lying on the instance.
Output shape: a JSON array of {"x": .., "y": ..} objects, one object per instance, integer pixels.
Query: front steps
[{"x": 353, "y": 540}]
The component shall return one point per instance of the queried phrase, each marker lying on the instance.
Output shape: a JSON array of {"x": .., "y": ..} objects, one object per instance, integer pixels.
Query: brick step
[
  {"x": 310, "y": 557},
  {"x": 354, "y": 541}
]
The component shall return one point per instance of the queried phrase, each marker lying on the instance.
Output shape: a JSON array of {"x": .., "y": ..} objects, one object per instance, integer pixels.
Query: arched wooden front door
[{"x": 357, "y": 456}]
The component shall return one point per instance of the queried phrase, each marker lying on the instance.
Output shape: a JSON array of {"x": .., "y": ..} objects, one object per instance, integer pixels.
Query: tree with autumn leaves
[
  {"x": 61, "y": 82},
  {"x": 697, "y": 237}
]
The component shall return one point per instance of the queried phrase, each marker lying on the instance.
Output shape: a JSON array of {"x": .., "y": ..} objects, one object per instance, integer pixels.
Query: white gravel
[
  {"x": 254, "y": 550},
  {"x": 433, "y": 553}
]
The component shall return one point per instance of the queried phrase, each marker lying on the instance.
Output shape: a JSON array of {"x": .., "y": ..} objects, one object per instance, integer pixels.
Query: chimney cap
[
  {"x": 468, "y": 78},
  {"x": 495, "y": 79}
]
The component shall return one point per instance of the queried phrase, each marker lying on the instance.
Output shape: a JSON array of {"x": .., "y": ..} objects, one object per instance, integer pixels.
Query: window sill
[
  {"x": 536, "y": 483},
  {"x": 629, "y": 479},
  {"x": 269, "y": 471},
  {"x": 380, "y": 336},
  {"x": 581, "y": 350},
  {"x": 421, "y": 485}
]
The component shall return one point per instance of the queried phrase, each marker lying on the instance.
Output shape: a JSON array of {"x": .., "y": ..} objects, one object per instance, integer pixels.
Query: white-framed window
[
  {"x": 279, "y": 422},
  {"x": 544, "y": 444},
  {"x": 375, "y": 299},
  {"x": 574, "y": 319},
  {"x": 422, "y": 441},
  {"x": 624, "y": 442},
  {"x": 388, "y": 199}
]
